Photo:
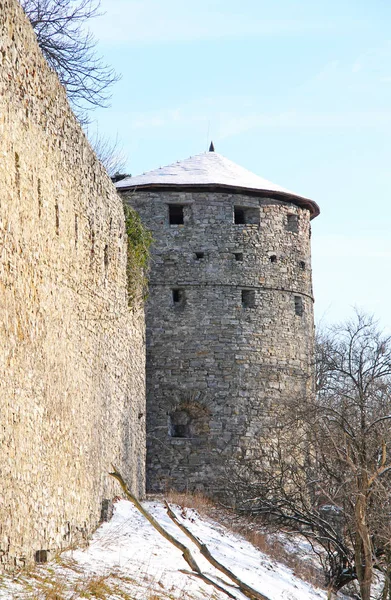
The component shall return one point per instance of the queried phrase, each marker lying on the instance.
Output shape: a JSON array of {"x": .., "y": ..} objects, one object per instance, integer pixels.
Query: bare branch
[
  {"x": 244, "y": 588},
  {"x": 110, "y": 153},
  {"x": 327, "y": 467},
  {"x": 187, "y": 555},
  {"x": 69, "y": 48}
]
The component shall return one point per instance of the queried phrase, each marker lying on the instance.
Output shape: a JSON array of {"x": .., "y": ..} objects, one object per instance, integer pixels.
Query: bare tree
[
  {"x": 355, "y": 401},
  {"x": 69, "y": 48},
  {"x": 110, "y": 154},
  {"x": 327, "y": 470},
  {"x": 283, "y": 489}
]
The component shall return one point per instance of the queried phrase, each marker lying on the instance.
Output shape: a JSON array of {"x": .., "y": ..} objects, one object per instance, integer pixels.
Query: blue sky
[{"x": 296, "y": 91}]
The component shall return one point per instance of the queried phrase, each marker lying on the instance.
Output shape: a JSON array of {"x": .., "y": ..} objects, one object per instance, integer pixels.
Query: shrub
[{"x": 139, "y": 242}]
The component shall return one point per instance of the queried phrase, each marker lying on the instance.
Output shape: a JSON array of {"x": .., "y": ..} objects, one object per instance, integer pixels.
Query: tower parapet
[{"x": 229, "y": 314}]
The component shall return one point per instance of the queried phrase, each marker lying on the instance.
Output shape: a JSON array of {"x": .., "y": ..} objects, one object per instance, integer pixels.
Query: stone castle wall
[
  {"x": 72, "y": 390},
  {"x": 216, "y": 367}
]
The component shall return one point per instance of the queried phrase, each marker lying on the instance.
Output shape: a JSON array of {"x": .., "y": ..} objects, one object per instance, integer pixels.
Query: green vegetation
[{"x": 139, "y": 242}]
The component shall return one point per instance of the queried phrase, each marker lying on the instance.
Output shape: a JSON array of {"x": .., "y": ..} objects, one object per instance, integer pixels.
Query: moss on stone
[{"x": 139, "y": 242}]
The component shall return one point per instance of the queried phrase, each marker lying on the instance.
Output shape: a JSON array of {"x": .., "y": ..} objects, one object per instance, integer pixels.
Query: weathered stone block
[
  {"x": 71, "y": 351},
  {"x": 241, "y": 361}
]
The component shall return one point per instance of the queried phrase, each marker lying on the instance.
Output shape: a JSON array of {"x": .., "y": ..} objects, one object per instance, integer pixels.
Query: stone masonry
[
  {"x": 72, "y": 390},
  {"x": 229, "y": 322}
]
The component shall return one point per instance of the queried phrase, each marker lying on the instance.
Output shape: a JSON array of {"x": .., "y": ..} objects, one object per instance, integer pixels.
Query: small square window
[
  {"x": 239, "y": 216},
  {"x": 41, "y": 556},
  {"x": 199, "y": 255},
  {"x": 179, "y": 424},
  {"x": 178, "y": 297},
  {"x": 248, "y": 298},
  {"x": 246, "y": 215},
  {"x": 273, "y": 258},
  {"x": 299, "y": 309},
  {"x": 238, "y": 256},
  {"x": 302, "y": 265},
  {"x": 292, "y": 223},
  {"x": 175, "y": 214}
]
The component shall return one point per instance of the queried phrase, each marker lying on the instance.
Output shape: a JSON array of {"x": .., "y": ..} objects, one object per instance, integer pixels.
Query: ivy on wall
[{"x": 139, "y": 243}]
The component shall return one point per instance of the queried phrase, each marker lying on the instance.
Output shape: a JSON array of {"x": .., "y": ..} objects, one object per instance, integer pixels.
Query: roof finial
[{"x": 211, "y": 147}]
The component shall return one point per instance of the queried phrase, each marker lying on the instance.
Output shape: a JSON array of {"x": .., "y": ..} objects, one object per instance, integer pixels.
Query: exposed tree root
[
  {"x": 187, "y": 555},
  {"x": 244, "y": 588},
  {"x": 209, "y": 581}
]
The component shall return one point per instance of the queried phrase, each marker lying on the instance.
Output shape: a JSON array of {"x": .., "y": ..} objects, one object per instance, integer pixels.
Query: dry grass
[
  {"x": 198, "y": 501},
  {"x": 274, "y": 548},
  {"x": 94, "y": 587},
  {"x": 45, "y": 587},
  {"x": 46, "y": 583},
  {"x": 65, "y": 579},
  {"x": 252, "y": 530}
]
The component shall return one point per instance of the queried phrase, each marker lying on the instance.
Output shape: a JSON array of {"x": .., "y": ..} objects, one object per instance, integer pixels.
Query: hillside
[{"x": 128, "y": 560}]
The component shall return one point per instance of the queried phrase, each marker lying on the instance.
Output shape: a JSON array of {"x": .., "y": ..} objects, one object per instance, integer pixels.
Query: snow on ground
[{"x": 130, "y": 560}]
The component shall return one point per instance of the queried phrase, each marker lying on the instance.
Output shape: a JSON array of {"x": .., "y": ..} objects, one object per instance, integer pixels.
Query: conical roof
[{"x": 213, "y": 171}]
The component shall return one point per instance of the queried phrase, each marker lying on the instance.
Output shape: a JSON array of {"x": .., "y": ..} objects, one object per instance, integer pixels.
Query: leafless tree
[
  {"x": 355, "y": 402},
  {"x": 69, "y": 48},
  {"x": 327, "y": 469},
  {"x": 110, "y": 153}
]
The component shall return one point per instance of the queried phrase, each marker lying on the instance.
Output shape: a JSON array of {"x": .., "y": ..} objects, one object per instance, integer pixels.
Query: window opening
[
  {"x": 107, "y": 510},
  {"x": 179, "y": 424},
  {"x": 239, "y": 216},
  {"x": 76, "y": 230},
  {"x": 302, "y": 265},
  {"x": 41, "y": 556},
  {"x": 273, "y": 258},
  {"x": 178, "y": 296},
  {"x": 175, "y": 214},
  {"x": 292, "y": 223},
  {"x": 239, "y": 256},
  {"x": 248, "y": 298},
  {"x": 299, "y": 309},
  {"x": 17, "y": 172},
  {"x": 199, "y": 255},
  {"x": 246, "y": 215},
  {"x": 39, "y": 199},
  {"x": 106, "y": 257},
  {"x": 92, "y": 243},
  {"x": 92, "y": 238},
  {"x": 57, "y": 210}
]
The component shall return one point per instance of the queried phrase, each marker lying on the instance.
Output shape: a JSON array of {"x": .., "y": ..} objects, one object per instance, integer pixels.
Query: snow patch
[
  {"x": 142, "y": 563},
  {"x": 208, "y": 168}
]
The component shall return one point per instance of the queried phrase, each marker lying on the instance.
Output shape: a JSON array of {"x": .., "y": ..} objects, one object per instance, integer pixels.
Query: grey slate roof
[{"x": 212, "y": 170}]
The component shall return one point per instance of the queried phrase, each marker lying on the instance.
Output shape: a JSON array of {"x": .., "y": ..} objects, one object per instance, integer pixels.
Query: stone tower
[{"x": 229, "y": 313}]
